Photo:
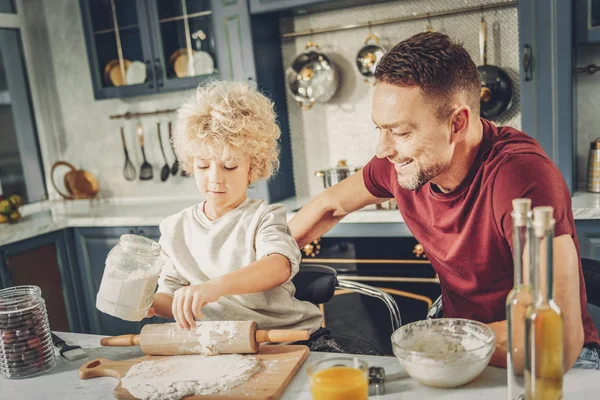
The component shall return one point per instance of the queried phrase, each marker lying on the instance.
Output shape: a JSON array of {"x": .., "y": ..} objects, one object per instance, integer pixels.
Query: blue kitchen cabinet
[
  {"x": 93, "y": 245},
  {"x": 588, "y": 233},
  {"x": 47, "y": 261},
  {"x": 546, "y": 80},
  {"x": 153, "y": 38},
  {"x": 587, "y": 21},
  {"x": 134, "y": 42}
]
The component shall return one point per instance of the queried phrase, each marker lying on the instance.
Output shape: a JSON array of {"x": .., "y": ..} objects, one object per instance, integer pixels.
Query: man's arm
[
  {"x": 566, "y": 296},
  {"x": 324, "y": 211}
]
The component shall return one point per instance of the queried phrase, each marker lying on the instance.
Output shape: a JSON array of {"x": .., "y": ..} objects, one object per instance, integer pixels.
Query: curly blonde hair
[{"x": 226, "y": 120}]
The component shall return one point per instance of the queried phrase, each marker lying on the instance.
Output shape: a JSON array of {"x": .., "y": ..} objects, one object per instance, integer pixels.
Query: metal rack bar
[
  {"x": 399, "y": 19},
  {"x": 129, "y": 115},
  {"x": 590, "y": 69}
]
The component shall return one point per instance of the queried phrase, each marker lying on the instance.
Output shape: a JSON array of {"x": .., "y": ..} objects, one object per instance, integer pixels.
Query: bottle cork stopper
[
  {"x": 521, "y": 206},
  {"x": 542, "y": 219}
]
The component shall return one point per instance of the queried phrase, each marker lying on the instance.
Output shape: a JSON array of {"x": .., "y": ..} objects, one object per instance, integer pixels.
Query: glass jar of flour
[{"x": 130, "y": 277}]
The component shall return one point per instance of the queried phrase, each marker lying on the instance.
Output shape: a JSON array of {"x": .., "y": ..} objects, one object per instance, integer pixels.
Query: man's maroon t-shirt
[{"x": 467, "y": 234}]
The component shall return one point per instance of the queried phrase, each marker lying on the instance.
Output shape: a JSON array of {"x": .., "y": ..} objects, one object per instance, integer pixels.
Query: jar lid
[
  {"x": 595, "y": 145},
  {"x": 139, "y": 244}
]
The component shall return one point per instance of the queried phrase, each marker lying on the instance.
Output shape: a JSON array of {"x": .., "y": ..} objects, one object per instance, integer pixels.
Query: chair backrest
[
  {"x": 591, "y": 276},
  {"x": 315, "y": 283}
]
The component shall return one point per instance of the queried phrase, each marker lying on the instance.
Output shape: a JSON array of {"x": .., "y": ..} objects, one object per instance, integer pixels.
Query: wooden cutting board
[{"x": 281, "y": 364}]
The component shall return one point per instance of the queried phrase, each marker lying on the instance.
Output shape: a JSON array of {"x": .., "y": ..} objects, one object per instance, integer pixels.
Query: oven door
[{"x": 397, "y": 265}]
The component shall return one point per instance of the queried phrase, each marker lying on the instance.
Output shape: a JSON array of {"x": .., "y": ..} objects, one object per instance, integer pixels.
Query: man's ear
[{"x": 459, "y": 123}]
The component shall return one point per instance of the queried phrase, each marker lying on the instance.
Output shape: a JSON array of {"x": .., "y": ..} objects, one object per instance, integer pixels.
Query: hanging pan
[
  {"x": 496, "y": 86},
  {"x": 312, "y": 77},
  {"x": 368, "y": 57}
]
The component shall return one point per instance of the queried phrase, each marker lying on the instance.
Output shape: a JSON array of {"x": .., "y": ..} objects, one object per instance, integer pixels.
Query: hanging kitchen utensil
[
  {"x": 80, "y": 184},
  {"x": 175, "y": 166},
  {"x": 165, "y": 171},
  {"x": 146, "y": 168},
  {"x": 429, "y": 27},
  {"x": 368, "y": 57},
  {"x": 311, "y": 77},
  {"x": 496, "y": 85},
  {"x": 129, "y": 171}
]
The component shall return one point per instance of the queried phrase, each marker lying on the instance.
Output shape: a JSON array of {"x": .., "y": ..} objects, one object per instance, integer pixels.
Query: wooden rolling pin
[{"x": 209, "y": 337}]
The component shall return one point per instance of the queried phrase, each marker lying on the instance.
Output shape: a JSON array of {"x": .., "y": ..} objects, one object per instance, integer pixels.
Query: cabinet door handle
[
  {"x": 5, "y": 274},
  {"x": 149, "y": 72},
  {"x": 158, "y": 72},
  {"x": 527, "y": 63}
]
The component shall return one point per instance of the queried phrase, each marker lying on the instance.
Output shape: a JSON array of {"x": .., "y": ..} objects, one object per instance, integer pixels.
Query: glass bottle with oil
[
  {"x": 544, "y": 325},
  {"x": 520, "y": 298}
]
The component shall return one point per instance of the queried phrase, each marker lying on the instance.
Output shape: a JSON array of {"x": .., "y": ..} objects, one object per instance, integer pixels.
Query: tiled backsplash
[
  {"x": 588, "y": 103},
  {"x": 342, "y": 128}
]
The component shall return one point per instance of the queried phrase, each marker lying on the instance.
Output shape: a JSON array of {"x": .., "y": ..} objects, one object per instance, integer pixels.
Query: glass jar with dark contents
[{"x": 26, "y": 347}]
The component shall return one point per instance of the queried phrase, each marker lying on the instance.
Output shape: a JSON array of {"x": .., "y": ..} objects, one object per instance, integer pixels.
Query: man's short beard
[{"x": 422, "y": 176}]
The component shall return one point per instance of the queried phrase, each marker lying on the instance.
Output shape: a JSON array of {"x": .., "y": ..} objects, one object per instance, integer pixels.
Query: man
[{"x": 454, "y": 176}]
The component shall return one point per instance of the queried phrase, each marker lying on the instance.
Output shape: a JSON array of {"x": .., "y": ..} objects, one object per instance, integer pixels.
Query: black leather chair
[
  {"x": 591, "y": 276},
  {"x": 318, "y": 283}
]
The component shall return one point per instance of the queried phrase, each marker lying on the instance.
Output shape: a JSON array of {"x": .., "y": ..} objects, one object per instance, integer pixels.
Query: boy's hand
[
  {"x": 150, "y": 312},
  {"x": 189, "y": 300}
]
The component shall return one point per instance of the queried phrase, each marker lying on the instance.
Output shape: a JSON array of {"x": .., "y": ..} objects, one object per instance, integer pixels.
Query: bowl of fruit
[{"x": 9, "y": 208}]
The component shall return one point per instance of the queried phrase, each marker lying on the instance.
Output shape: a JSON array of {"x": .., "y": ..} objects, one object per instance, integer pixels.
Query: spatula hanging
[
  {"x": 166, "y": 170},
  {"x": 129, "y": 171},
  {"x": 146, "y": 168}
]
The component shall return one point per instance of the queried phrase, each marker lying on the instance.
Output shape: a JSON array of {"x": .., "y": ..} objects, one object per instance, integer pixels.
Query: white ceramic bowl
[{"x": 446, "y": 352}]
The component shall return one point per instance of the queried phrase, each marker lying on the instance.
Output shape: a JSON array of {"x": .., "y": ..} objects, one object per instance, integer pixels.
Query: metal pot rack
[{"x": 424, "y": 16}]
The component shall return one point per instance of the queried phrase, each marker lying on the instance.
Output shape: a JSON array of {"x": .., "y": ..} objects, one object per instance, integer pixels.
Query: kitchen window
[{"x": 21, "y": 168}]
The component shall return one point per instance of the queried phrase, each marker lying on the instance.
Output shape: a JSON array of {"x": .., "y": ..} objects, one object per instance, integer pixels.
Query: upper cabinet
[
  {"x": 139, "y": 47},
  {"x": 184, "y": 42},
  {"x": 587, "y": 14},
  {"x": 121, "y": 60},
  {"x": 261, "y": 6}
]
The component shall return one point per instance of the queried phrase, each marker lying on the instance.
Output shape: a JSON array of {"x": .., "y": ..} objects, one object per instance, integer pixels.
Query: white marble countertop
[
  {"x": 41, "y": 218},
  {"x": 63, "y": 382}
]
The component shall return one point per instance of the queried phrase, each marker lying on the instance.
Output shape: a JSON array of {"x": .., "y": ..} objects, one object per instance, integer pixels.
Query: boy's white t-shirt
[{"x": 197, "y": 250}]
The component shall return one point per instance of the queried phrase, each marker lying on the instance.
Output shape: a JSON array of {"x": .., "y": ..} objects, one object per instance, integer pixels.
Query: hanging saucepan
[
  {"x": 312, "y": 77},
  {"x": 368, "y": 57},
  {"x": 496, "y": 86}
]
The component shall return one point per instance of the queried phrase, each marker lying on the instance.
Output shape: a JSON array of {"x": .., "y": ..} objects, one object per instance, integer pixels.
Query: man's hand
[{"x": 189, "y": 300}]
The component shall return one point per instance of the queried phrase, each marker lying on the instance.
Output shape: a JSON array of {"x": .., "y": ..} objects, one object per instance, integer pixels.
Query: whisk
[
  {"x": 146, "y": 168},
  {"x": 129, "y": 171}
]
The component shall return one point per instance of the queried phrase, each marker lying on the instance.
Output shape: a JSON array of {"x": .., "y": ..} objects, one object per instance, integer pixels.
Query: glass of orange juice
[{"x": 339, "y": 378}]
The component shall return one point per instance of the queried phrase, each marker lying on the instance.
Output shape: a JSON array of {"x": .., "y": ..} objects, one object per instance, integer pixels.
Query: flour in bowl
[{"x": 172, "y": 378}]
